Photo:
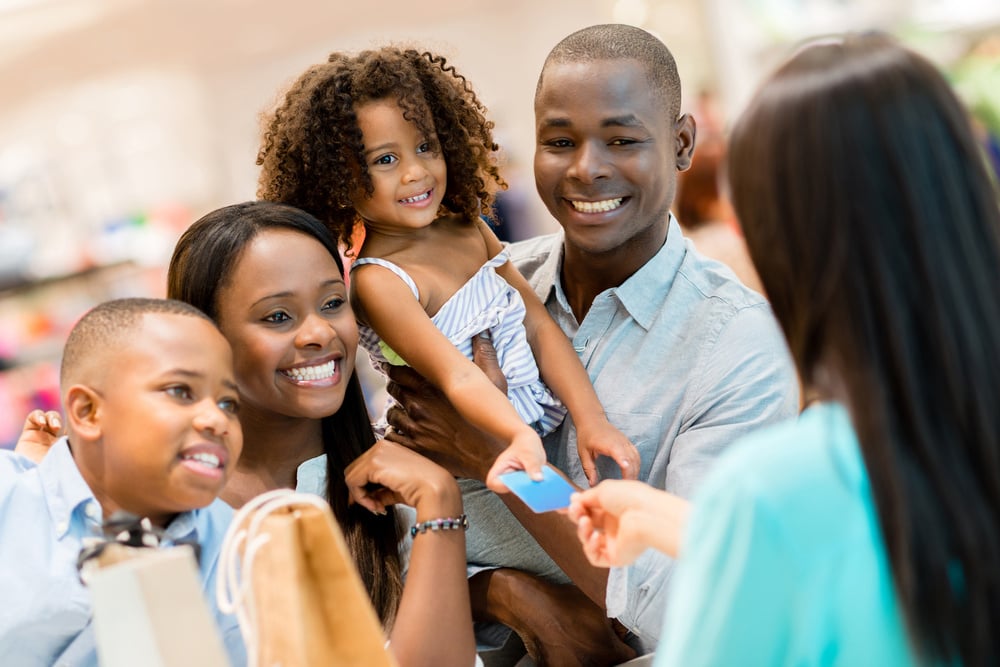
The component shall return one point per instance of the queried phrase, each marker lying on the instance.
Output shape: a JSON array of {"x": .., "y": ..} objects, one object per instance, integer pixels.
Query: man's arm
[{"x": 558, "y": 624}]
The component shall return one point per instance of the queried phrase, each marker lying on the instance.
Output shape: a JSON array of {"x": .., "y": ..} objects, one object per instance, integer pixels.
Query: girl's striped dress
[{"x": 486, "y": 302}]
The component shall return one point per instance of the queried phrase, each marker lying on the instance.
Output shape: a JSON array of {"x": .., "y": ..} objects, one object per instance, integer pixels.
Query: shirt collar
[
  {"x": 65, "y": 488},
  {"x": 311, "y": 476},
  {"x": 642, "y": 294}
]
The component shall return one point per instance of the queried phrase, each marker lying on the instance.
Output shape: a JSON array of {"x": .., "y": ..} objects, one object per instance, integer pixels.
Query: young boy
[{"x": 150, "y": 406}]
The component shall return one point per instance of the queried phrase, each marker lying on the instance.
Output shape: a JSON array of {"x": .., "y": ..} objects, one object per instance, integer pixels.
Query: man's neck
[{"x": 585, "y": 275}]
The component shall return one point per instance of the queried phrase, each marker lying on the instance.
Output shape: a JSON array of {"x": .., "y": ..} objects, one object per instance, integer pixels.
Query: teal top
[{"x": 783, "y": 561}]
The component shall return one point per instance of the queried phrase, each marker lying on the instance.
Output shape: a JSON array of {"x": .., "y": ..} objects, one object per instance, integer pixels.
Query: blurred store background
[{"x": 122, "y": 121}]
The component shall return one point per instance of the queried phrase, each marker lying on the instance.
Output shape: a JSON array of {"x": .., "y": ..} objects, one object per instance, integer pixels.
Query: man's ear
[
  {"x": 83, "y": 410},
  {"x": 685, "y": 132}
]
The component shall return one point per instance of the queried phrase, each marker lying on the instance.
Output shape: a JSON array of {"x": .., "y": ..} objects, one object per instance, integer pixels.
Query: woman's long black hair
[{"x": 870, "y": 215}]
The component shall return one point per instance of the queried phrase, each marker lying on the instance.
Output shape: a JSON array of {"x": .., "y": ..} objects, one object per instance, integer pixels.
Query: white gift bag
[{"x": 149, "y": 610}]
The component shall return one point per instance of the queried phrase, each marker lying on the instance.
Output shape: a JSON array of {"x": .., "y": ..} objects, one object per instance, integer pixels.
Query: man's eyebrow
[
  {"x": 556, "y": 122},
  {"x": 628, "y": 120}
]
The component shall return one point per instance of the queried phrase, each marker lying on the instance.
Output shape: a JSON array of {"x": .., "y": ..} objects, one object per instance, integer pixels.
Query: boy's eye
[
  {"x": 559, "y": 143},
  {"x": 179, "y": 391},
  {"x": 230, "y": 405},
  {"x": 622, "y": 142},
  {"x": 385, "y": 159},
  {"x": 424, "y": 147},
  {"x": 277, "y": 317}
]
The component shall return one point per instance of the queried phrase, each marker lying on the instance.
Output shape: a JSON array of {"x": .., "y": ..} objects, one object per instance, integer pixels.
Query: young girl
[{"x": 398, "y": 140}]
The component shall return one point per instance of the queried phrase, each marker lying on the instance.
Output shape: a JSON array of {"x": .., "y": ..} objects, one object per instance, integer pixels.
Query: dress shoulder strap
[{"x": 395, "y": 268}]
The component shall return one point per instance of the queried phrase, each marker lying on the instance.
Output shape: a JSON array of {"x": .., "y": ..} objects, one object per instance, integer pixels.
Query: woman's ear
[{"x": 83, "y": 411}]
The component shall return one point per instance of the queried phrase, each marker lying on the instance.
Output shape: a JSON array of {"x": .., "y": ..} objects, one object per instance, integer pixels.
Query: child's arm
[
  {"x": 561, "y": 369},
  {"x": 386, "y": 304}
]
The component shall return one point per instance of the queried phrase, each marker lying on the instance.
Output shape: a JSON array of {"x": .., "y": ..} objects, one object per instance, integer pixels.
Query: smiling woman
[{"x": 271, "y": 276}]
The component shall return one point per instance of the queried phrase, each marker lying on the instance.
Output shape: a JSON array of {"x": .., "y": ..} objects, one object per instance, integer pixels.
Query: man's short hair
[
  {"x": 108, "y": 327},
  {"x": 615, "y": 41}
]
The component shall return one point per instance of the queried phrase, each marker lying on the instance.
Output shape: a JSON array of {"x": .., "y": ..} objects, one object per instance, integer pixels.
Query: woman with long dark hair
[
  {"x": 272, "y": 278},
  {"x": 868, "y": 531}
]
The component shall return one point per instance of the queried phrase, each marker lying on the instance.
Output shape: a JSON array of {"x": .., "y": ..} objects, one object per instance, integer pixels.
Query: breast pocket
[{"x": 644, "y": 430}]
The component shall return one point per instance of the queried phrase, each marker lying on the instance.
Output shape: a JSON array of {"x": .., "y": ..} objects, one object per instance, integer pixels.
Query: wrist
[
  {"x": 438, "y": 497},
  {"x": 591, "y": 420}
]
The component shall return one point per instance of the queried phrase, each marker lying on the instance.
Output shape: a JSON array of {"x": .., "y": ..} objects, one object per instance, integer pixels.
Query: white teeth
[
  {"x": 414, "y": 200},
  {"x": 320, "y": 372},
  {"x": 597, "y": 206},
  {"x": 209, "y": 460}
]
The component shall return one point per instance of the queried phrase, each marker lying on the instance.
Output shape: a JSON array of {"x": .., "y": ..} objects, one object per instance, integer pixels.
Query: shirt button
[
  {"x": 61, "y": 527},
  {"x": 93, "y": 511}
]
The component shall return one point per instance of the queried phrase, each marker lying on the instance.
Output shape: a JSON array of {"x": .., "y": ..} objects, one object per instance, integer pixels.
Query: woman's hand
[
  {"x": 41, "y": 430},
  {"x": 389, "y": 473},
  {"x": 617, "y": 520}
]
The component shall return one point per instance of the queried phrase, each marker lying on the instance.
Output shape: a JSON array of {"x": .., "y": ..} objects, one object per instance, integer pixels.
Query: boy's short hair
[{"x": 106, "y": 328}]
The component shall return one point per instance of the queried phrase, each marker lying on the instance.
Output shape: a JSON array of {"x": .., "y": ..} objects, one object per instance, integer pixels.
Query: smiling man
[{"x": 683, "y": 357}]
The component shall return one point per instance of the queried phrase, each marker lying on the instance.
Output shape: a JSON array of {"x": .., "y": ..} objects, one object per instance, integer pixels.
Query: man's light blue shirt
[
  {"x": 45, "y": 513},
  {"x": 685, "y": 360},
  {"x": 783, "y": 561}
]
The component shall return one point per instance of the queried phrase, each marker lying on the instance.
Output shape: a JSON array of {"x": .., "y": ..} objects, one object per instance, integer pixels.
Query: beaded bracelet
[{"x": 447, "y": 523}]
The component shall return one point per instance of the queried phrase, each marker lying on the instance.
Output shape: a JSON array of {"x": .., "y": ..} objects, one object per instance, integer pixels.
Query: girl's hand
[
  {"x": 389, "y": 473},
  {"x": 41, "y": 430},
  {"x": 525, "y": 453},
  {"x": 603, "y": 439},
  {"x": 618, "y": 520}
]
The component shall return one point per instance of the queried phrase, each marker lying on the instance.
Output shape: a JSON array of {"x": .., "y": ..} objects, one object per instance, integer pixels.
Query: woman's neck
[{"x": 274, "y": 447}]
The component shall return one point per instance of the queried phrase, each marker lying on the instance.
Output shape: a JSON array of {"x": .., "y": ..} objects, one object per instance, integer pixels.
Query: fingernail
[{"x": 485, "y": 335}]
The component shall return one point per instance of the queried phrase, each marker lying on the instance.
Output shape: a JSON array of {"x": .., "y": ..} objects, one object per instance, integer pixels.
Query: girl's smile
[{"x": 407, "y": 169}]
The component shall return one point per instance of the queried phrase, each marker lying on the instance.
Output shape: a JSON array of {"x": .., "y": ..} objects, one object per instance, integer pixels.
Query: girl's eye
[
  {"x": 334, "y": 303},
  {"x": 277, "y": 317},
  {"x": 229, "y": 405},
  {"x": 424, "y": 147},
  {"x": 180, "y": 391},
  {"x": 385, "y": 159}
]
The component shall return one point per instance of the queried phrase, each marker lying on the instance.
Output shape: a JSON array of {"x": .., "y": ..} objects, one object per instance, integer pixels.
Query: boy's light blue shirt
[
  {"x": 45, "y": 512},
  {"x": 783, "y": 562}
]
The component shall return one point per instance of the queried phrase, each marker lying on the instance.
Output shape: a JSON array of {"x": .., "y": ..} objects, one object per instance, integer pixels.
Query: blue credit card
[{"x": 551, "y": 493}]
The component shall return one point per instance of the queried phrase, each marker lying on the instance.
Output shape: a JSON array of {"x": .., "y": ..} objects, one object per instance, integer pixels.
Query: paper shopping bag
[
  {"x": 301, "y": 602},
  {"x": 149, "y": 610}
]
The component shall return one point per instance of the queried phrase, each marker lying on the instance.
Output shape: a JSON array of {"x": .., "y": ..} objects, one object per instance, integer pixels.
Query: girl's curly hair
[{"x": 312, "y": 153}]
